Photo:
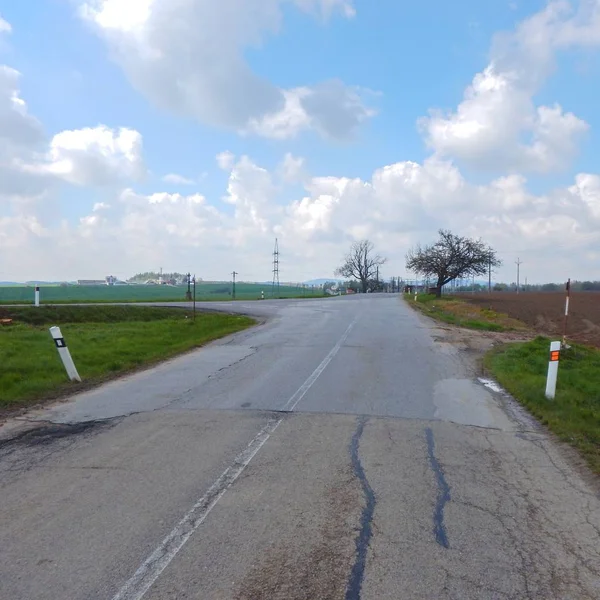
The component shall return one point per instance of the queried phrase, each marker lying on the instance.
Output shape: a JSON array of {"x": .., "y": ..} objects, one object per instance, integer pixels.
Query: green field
[
  {"x": 574, "y": 415},
  {"x": 104, "y": 341},
  {"x": 148, "y": 293}
]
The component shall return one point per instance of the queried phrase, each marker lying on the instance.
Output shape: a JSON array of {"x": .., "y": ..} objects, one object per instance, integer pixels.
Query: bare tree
[
  {"x": 361, "y": 263},
  {"x": 452, "y": 257}
]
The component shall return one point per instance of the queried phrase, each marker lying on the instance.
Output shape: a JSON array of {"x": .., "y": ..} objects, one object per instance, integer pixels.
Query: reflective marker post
[
  {"x": 553, "y": 370},
  {"x": 37, "y": 295},
  {"x": 564, "y": 340},
  {"x": 64, "y": 353}
]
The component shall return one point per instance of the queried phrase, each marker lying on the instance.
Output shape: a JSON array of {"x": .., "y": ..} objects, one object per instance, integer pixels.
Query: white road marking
[
  {"x": 303, "y": 389},
  {"x": 150, "y": 570}
]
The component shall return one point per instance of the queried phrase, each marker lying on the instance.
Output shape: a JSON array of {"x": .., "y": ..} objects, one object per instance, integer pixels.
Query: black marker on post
[{"x": 64, "y": 353}]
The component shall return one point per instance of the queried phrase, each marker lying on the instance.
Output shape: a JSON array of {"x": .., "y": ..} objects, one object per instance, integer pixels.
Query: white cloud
[
  {"x": 401, "y": 204},
  {"x": 33, "y": 167},
  {"x": 587, "y": 190},
  {"x": 225, "y": 160},
  {"x": 18, "y": 129},
  {"x": 21, "y": 137},
  {"x": 252, "y": 191},
  {"x": 331, "y": 108},
  {"x": 5, "y": 26},
  {"x": 497, "y": 126},
  {"x": 176, "y": 53},
  {"x": 94, "y": 156},
  {"x": 292, "y": 168},
  {"x": 177, "y": 179}
]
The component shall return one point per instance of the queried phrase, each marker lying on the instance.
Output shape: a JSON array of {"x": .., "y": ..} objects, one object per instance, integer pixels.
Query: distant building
[{"x": 91, "y": 282}]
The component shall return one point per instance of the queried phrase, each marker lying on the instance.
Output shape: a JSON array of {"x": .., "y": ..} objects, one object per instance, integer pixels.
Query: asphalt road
[{"x": 341, "y": 450}]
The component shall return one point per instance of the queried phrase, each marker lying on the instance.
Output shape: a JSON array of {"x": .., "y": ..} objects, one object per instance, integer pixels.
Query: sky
[{"x": 189, "y": 134}]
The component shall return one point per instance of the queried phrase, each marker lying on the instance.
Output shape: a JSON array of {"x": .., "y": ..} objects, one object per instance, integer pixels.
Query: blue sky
[{"x": 390, "y": 62}]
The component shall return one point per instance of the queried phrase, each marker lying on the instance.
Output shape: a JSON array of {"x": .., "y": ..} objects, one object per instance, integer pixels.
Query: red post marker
[{"x": 552, "y": 370}]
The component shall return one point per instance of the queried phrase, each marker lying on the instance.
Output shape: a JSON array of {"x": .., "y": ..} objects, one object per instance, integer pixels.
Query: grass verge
[
  {"x": 458, "y": 312},
  {"x": 574, "y": 415},
  {"x": 105, "y": 342}
]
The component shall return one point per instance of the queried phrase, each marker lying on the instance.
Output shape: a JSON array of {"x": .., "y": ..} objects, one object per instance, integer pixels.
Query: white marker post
[
  {"x": 564, "y": 340},
  {"x": 64, "y": 353},
  {"x": 553, "y": 370},
  {"x": 262, "y": 295},
  {"x": 37, "y": 295}
]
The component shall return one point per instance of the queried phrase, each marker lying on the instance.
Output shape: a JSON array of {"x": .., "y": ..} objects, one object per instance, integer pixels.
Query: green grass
[
  {"x": 104, "y": 342},
  {"x": 574, "y": 415},
  {"x": 457, "y": 312},
  {"x": 147, "y": 293}
]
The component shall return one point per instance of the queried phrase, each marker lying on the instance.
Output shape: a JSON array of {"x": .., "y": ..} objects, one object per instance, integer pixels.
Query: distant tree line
[{"x": 576, "y": 286}]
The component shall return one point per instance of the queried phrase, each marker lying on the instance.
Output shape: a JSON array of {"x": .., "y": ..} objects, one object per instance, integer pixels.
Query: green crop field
[{"x": 147, "y": 293}]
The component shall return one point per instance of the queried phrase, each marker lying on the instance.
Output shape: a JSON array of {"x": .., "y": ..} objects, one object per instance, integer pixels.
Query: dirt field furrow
[{"x": 544, "y": 312}]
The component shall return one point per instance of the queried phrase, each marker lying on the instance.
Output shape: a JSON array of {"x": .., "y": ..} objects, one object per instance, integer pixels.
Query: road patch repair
[{"x": 516, "y": 361}]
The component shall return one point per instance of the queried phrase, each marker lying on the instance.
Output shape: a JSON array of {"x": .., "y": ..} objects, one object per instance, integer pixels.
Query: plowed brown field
[{"x": 544, "y": 312}]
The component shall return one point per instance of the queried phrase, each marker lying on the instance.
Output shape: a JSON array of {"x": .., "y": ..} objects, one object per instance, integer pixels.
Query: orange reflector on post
[{"x": 554, "y": 355}]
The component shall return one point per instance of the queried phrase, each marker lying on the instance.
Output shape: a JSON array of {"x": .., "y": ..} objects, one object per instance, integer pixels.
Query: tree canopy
[
  {"x": 452, "y": 257},
  {"x": 361, "y": 263}
]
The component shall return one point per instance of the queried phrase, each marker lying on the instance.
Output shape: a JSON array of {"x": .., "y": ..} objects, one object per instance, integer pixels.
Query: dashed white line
[
  {"x": 291, "y": 404},
  {"x": 150, "y": 570}
]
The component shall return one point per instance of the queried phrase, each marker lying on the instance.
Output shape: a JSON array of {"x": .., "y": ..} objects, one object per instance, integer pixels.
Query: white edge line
[
  {"x": 492, "y": 385},
  {"x": 150, "y": 570}
]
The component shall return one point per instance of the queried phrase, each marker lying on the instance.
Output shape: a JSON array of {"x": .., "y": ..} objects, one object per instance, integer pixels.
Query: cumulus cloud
[
  {"x": 497, "y": 125},
  {"x": 176, "y": 53},
  {"x": 94, "y": 156},
  {"x": 399, "y": 205},
  {"x": 33, "y": 166},
  {"x": 331, "y": 108}
]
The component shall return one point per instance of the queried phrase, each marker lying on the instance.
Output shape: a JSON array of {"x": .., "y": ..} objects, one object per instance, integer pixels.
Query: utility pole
[
  {"x": 275, "y": 286},
  {"x": 194, "y": 280},
  {"x": 188, "y": 295},
  {"x": 490, "y": 275},
  {"x": 518, "y": 262},
  {"x": 377, "y": 279},
  {"x": 233, "y": 294}
]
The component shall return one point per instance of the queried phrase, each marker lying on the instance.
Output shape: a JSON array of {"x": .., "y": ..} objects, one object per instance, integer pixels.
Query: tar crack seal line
[
  {"x": 439, "y": 529},
  {"x": 364, "y": 536}
]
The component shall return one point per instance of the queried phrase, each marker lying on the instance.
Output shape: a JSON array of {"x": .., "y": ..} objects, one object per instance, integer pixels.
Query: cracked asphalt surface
[{"x": 343, "y": 449}]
